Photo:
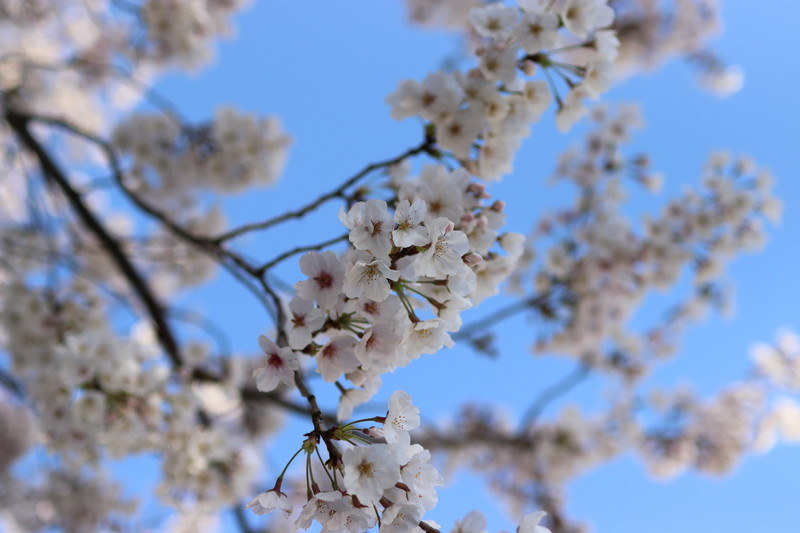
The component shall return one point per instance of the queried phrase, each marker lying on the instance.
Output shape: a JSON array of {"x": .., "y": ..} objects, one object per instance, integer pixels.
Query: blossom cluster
[
  {"x": 234, "y": 152},
  {"x": 99, "y": 395},
  {"x": 650, "y": 32},
  {"x": 599, "y": 265},
  {"x": 399, "y": 291},
  {"x": 379, "y": 466},
  {"x": 777, "y": 367},
  {"x": 482, "y": 115},
  {"x": 181, "y": 31}
]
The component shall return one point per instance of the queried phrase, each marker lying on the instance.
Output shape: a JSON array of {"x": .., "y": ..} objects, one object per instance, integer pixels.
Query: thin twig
[
  {"x": 338, "y": 192},
  {"x": 501, "y": 314}
]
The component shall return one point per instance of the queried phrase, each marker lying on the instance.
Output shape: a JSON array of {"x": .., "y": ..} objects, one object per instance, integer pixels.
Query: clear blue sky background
[{"x": 325, "y": 68}]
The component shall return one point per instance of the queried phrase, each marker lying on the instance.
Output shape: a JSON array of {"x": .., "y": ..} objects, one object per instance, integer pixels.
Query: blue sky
[{"x": 325, "y": 68}]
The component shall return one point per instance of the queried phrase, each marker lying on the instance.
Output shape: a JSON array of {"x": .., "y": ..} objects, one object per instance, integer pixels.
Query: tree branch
[
  {"x": 560, "y": 387},
  {"x": 316, "y": 419},
  {"x": 19, "y": 123},
  {"x": 300, "y": 249},
  {"x": 501, "y": 314},
  {"x": 338, "y": 192}
]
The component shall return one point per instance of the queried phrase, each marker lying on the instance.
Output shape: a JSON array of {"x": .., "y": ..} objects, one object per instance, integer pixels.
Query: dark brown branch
[
  {"x": 118, "y": 175},
  {"x": 255, "y": 395},
  {"x": 19, "y": 123},
  {"x": 427, "y": 528},
  {"x": 216, "y": 251},
  {"x": 426, "y": 146},
  {"x": 300, "y": 249},
  {"x": 316, "y": 419}
]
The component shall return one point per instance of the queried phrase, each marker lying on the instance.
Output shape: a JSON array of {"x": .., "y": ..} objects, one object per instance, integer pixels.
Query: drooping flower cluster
[
  {"x": 482, "y": 115},
  {"x": 380, "y": 468},
  {"x": 650, "y": 32}
]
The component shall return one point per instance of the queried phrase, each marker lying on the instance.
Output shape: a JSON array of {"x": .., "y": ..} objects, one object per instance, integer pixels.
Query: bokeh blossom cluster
[{"x": 121, "y": 217}]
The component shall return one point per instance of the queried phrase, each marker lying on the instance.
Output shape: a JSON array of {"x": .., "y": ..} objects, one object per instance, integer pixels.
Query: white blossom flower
[
  {"x": 530, "y": 523},
  {"x": 422, "y": 478},
  {"x": 325, "y": 273},
  {"x": 572, "y": 108},
  {"x": 537, "y": 30},
  {"x": 370, "y": 226},
  {"x": 336, "y": 513},
  {"x": 401, "y": 518},
  {"x": 438, "y": 95},
  {"x": 582, "y": 16},
  {"x": 493, "y": 20},
  {"x": 90, "y": 409},
  {"x": 281, "y": 364},
  {"x": 337, "y": 358},
  {"x": 443, "y": 257},
  {"x": 377, "y": 349},
  {"x": 426, "y": 337},
  {"x": 369, "y": 278},
  {"x": 304, "y": 319},
  {"x": 474, "y": 522},
  {"x": 352, "y": 398},
  {"x": 270, "y": 500},
  {"x": 401, "y": 418},
  {"x": 458, "y": 131},
  {"x": 369, "y": 470},
  {"x": 409, "y": 218},
  {"x": 500, "y": 64}
]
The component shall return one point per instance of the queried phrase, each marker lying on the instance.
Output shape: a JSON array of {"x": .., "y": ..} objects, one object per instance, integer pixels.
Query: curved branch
[
  {"x": 19, "y": 123},
  {"x": 426, "y": 146},
  {"x": 300, "y": 249}
]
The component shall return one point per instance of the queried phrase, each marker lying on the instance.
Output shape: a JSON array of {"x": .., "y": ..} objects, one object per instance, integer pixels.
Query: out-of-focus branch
[
  {"x": 11, "y": 384},
  {"x": 19, "y": 123},
  {"x": 559, "y": 388},
  {"x": 530, "y": 303}
]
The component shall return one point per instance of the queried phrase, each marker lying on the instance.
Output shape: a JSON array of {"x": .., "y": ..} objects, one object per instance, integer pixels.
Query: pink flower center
[
  {"x": 329, "y": 351},
  {"x": 324, "y": 280},
  {"x": 275, "y": 361}
]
